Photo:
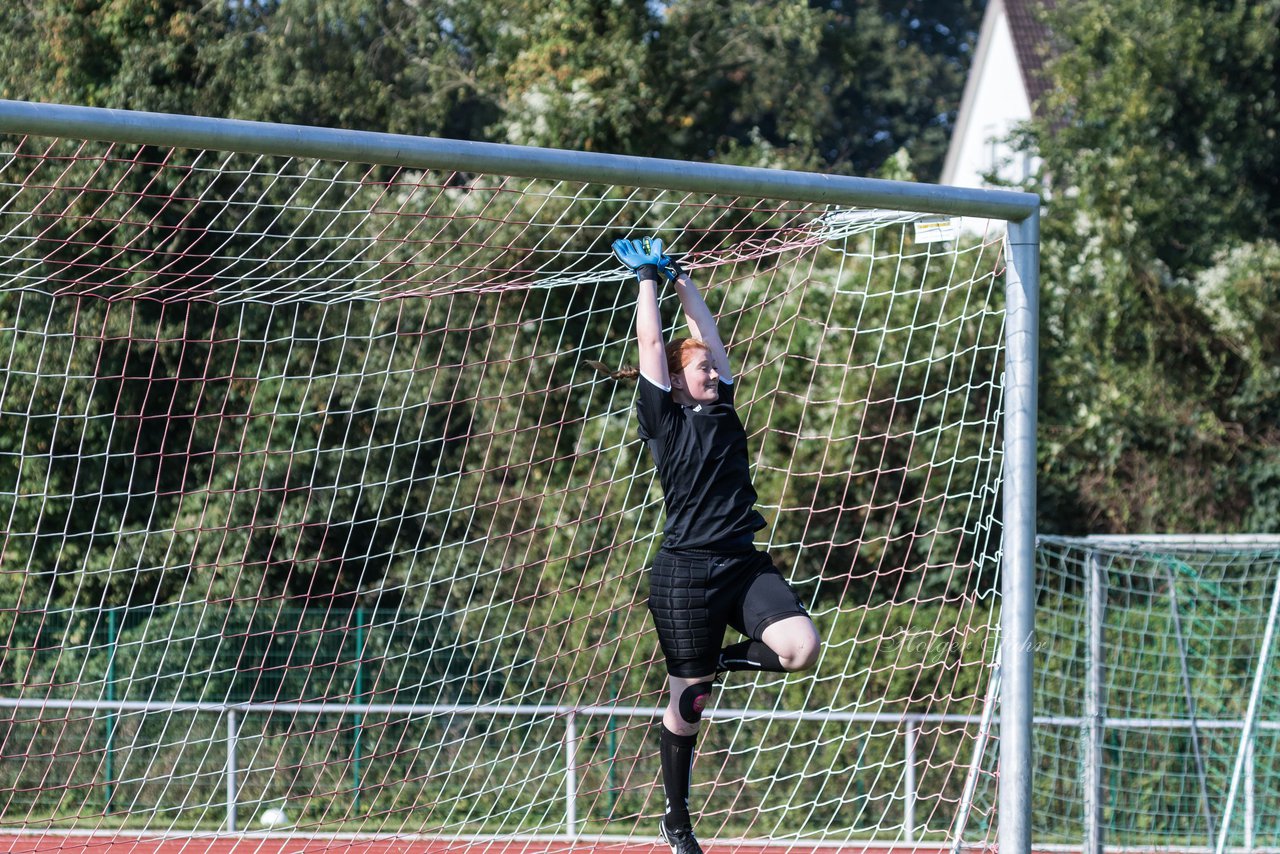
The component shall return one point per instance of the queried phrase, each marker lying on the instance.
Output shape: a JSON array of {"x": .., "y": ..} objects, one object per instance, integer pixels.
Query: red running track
[{"x": 258, "y": 843}]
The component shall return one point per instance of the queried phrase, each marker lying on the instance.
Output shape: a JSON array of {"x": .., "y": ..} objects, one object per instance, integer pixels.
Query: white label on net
[{"x": 935, "y": 230}]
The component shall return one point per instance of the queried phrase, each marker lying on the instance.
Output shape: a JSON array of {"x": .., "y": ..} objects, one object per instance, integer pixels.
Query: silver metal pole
[
  {"x": 438, "y": 710},
  {"x": 571, "y": 774},
  {"x": 1017, "y": 616},
  {"x": 909, "y": 781},
  {"x": 1250, "y": 717},
  {"x": 126, "y": 126},
  {"x": 1250, "y": 816},
  {"x": 233, "y": 733},
  {"x": 1146, "y": 542},
  {"x": 1095, "y": 674}
]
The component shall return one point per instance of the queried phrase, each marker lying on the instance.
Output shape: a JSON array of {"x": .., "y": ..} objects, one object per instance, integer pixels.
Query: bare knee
[
  {"x": 802, "y": 653},
  {"x": 796, "y": 642},
  {"x": 672, "y": 721}
]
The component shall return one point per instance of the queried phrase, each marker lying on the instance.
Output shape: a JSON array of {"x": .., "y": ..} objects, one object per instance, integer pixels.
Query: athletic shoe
[{"x": 681, "y": 840}]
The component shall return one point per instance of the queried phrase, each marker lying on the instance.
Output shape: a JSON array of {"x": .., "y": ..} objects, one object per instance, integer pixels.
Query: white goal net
[{"x": 315, "y": 521}]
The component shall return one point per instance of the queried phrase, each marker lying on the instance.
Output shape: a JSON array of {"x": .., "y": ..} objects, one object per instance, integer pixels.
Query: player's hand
[
  {"x": 669, "y": 266},
  {"x": 641, "y": 256}
]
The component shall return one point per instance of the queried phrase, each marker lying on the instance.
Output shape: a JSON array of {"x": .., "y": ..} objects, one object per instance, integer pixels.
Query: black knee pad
[{"x": 694, "y": 699}]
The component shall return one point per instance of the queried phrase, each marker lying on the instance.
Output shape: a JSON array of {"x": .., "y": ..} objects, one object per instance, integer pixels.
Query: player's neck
[{"x": 682, "y": 397}]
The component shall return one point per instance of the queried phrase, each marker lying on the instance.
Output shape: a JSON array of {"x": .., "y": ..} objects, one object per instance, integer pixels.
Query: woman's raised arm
[
  {"x": 698, "y": 317},
  {"x": 642, "y": 257}
]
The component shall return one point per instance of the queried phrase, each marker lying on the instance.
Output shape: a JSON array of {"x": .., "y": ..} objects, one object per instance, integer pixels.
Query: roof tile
[{"x": 1031, "y": 42}]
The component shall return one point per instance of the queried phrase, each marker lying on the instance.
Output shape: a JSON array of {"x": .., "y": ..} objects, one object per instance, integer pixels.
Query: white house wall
[{"x": 995, "y": 102}]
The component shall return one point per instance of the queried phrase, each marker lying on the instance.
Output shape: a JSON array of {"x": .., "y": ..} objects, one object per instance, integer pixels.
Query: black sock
[
  {"x": 677, "y": 770},
  {"x": 750, "y": 655}
]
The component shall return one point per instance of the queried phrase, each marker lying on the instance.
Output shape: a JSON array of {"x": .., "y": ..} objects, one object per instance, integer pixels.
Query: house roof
[
  {"x": 1028, "y": 34},
  {"x": 1031, "y": 42}
]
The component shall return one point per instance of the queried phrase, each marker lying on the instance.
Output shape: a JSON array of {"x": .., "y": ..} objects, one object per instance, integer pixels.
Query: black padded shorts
[{"x": 693, "y": 596}]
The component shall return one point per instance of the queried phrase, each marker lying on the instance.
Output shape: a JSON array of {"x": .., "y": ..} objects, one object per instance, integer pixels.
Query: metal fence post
[
  {"x": 909, "y": 780},
  {"x": 358, "y": 718},
  {"x": 233, "y": 732},
  {"x": 570, "y": 774},
  {"x": 1095, "y": 585},
  {"x": 1250, "y": 818},
  {"x": 108, "y": 760}
]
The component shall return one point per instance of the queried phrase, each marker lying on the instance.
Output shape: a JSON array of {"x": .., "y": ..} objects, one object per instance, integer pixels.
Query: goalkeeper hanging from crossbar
[{"x": 708, "y": 574}]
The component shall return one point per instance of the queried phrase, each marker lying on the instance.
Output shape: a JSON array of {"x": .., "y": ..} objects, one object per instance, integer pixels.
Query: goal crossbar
[{"x": 388, "y": 149}]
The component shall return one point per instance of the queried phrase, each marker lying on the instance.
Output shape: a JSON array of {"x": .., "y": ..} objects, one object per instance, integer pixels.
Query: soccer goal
[
  {"x": 1157, "y": 700},
  {"x": 319, "y": 533}
]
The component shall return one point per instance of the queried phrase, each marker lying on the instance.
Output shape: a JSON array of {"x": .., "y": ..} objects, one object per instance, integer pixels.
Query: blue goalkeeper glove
[
  {"x": 670, "y": 267},
  {"x": 638, "y": 254}
]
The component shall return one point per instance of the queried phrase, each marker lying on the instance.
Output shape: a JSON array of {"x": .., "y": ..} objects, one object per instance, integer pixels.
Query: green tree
[
  {"x": 386, "y": 65},
  {"x": 826, "y": 85},
  {"x": 571, "y": 74},
  {"x": 389, "y": 65},
  {"x": 158, "y": 55},
  {"x": 579, "y": 73},
  {"x": 1159, "y": 140}
]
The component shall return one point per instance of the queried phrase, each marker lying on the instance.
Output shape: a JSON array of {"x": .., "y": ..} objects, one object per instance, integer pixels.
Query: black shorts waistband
[{"x": 732, "y": 545}]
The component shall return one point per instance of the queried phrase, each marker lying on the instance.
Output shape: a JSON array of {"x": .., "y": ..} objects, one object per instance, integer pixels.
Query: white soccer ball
[{"x": 273, "y": 817}]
